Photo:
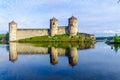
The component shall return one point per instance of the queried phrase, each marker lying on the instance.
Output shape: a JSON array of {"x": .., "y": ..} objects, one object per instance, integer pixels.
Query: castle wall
[
  {"x": 62, "y": 30},
  {"x": 17, "y": 34},
  {"x": 27, "y": 33}
]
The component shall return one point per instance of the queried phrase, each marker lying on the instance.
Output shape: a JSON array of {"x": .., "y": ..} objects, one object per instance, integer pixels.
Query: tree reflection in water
[{"x": 116, "y": 47}]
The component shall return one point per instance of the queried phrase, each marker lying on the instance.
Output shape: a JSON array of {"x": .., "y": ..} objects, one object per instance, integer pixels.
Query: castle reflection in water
[{"x": 71, "y": 52}]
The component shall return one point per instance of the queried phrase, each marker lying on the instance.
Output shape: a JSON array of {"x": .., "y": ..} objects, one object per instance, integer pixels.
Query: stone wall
[
  {"x": 27, "y": 33},
  {"x": 62, "y": 30},
  {"x": 17, "y": 34}
]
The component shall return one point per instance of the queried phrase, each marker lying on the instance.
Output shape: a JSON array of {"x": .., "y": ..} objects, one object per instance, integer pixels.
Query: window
[{"x": 53, "y": 23}]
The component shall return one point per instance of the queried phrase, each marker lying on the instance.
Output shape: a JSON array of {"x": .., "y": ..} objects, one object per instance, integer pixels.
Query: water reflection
[
  {"x": 69, "y": 50},
  {"x": 73, "y": 56},
  {"x": 116, "y": 47},
  {"x": 13, "y": 52}
]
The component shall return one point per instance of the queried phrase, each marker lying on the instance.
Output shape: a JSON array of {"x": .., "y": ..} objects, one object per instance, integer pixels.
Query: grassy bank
[{"x": 59, "y": 38}]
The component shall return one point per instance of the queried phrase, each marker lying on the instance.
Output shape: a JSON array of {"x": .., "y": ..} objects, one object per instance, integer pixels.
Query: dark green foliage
[
  {"x": 4, "y": 38},
  {"x": 7, "y": 37},
  {"x": 116, "y": 38},
  {"x": 116, "y": 47},
  {"x": 104, "y": 38}
]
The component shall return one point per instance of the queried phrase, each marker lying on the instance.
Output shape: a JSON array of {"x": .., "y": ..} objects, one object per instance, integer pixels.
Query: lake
[{"x": 59, "y": 62}]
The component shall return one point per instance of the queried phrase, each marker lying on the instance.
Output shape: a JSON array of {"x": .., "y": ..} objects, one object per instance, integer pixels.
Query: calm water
[{"x": 28, "y": 62}]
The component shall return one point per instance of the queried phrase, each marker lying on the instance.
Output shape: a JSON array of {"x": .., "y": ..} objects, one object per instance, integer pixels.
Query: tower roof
[
  {"x": 13, "y": 22},
  {"x": 55, "y": 19},
  {"x": 72, "y": 17}
]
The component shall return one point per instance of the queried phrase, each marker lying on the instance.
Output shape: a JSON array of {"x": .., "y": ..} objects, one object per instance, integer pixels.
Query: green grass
[{"x": 58, "y": 38}]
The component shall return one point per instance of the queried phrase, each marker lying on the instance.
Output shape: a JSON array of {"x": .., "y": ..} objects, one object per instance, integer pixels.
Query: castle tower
[
  {"x": 73, "y": 26},
  {"x": 53, "y": 26},
  {"x": 12, "y": 31}
]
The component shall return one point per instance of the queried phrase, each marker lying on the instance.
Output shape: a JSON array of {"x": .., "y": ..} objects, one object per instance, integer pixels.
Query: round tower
[
  {"x": 12, "y": 31},
  {"x": 73, "y": 26},
  {"x": 53, "y": 26}
]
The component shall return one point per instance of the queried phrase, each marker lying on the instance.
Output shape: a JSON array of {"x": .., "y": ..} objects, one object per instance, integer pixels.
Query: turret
[
  {"x": 53, "y": 26},
  {"x": 12, "y": 31},
  {"x": 73, "y": 26}
]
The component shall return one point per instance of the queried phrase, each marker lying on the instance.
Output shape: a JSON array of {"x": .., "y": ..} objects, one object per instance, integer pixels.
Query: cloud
[
  {"x": 95, "y": 15},
  {"x": 112, "y": 31}
]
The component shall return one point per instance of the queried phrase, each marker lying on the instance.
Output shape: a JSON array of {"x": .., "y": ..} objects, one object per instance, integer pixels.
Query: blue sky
[{"x": 95, "y": 16}]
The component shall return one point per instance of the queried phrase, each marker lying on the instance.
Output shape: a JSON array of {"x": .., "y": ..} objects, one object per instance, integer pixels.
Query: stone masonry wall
[
  {"x": 17, "y": 34},
  {"x": 27, "y": 33},
  {"x": 62, "y": 30}
]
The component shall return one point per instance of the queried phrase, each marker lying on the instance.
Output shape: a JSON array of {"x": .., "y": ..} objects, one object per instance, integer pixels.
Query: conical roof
[
  {"x": 72, "y": 17},
  {"x": 13, "y": 22},
  {"x": 55, "y": 19}
]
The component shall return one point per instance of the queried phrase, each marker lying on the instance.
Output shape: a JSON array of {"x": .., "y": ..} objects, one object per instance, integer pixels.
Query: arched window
[{"x": 53, "y": 23}]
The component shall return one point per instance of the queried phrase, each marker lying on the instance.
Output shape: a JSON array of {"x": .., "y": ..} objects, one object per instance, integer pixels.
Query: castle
[{"x": 17, "y": 34}]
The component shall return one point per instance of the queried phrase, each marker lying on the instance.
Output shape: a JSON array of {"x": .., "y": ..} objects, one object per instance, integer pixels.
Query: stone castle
[{"x": 17, "y": 34}]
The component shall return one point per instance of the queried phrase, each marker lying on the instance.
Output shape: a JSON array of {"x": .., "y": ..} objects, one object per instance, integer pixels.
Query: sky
[{"x": 99, "y": 17}]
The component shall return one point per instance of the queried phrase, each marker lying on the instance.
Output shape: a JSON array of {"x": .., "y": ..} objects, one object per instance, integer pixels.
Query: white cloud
[
  {"x": 112, "y": 31},
  {"x": 95, "y": 15}
]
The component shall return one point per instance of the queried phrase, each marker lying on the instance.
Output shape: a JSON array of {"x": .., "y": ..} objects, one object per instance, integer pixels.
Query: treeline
[
  {"x": 104, "y": 38},
  {"x": 4, "y": 38}
]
